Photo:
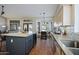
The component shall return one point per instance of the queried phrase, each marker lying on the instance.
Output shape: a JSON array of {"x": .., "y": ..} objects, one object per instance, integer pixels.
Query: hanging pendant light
[{"x": 2, "y": 10}]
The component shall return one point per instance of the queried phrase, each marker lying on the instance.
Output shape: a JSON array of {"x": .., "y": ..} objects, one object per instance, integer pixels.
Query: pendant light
[{"x": 2, "y": 12}]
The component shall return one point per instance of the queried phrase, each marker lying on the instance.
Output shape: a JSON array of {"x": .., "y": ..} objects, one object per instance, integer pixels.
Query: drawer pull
[{"x": 11, "y": 40}]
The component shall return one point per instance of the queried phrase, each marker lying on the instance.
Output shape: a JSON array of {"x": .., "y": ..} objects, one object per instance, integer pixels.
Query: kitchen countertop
[
  {"x": 19, "y": 34},
  {"x": 58, "y": 39}
]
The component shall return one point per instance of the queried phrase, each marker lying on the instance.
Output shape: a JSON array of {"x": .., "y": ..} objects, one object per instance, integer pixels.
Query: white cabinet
[
  {"x": 14, "y": 24},
  {"x": 67, "y": 15},
  {"x": 64, "y": 15}
]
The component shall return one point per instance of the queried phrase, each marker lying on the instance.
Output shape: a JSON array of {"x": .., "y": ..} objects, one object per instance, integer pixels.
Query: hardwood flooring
[
  {"x": 3, "y": 47},
  {"x": 43, "y": 47}
]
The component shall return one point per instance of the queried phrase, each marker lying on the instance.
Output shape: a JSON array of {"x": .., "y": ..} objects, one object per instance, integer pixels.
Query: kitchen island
[{"x": 20, "y": 43}]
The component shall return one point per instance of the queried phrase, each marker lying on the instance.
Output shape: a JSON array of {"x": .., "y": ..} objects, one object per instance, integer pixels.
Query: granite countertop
[
  {"x": 19, "y": 34},
  {"x": 58, "y": 39}
]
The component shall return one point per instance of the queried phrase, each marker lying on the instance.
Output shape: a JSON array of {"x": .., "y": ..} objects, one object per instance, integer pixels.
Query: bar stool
[
  {"x": 44, "y": 35},
  {"x": 0, "y": 41},
  {"x": 2, "y": 38}
]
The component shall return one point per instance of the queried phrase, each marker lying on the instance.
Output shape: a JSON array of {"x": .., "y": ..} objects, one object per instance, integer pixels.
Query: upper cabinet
[
  {"x": 3, "y": 24},
  {"x": 58, "y": 18},
  {"x": 14, "y": 25},
  {"x": 76, "y": 14},
  {"x": 67, "y": 14},
  {"x": 64, "y": 15}
]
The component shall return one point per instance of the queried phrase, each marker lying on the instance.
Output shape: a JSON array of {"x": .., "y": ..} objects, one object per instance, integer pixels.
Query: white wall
[
  {"x": 2, "y": 23},
  {"x": 34, "y": 26},
  {"x": 76, "y": 25}
]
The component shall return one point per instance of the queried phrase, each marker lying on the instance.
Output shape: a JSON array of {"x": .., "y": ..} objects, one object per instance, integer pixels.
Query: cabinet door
[
  {"x": 15, "y": 45},
  {"x": 9, "y": 45},
  {"x": 19, "y": 45},
  {"x": 57, "y": 50},
  {"x": 29, "y": 43},
  {"x": 54, "y": 46},
  {"x": 34, "y": 39}
]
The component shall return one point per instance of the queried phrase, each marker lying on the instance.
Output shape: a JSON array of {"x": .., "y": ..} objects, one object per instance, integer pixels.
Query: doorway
[
  {"x": 27, "y": 27},
  {"x": 38, "y": 27}
]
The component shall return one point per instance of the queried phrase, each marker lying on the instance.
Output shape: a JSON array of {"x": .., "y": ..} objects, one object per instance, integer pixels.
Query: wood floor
[{"x": 43, "y": 47}]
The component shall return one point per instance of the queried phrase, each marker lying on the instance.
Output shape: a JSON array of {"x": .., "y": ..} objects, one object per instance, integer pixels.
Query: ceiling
[{"x": 29, "y": 10}]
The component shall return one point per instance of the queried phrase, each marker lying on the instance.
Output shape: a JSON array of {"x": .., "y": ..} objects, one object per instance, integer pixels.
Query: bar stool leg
[{"x": 0, "y": 45}]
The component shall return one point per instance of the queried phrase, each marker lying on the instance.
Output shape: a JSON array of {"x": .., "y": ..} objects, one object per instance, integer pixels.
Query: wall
[{"x": 34, "y": 25}]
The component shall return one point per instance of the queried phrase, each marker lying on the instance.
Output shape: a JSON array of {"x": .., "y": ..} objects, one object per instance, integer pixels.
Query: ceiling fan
[{"x": 2, "y": 12}]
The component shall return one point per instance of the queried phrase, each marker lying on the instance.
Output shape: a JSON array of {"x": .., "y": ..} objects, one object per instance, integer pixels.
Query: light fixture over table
[{"x": 2, "y": 12}]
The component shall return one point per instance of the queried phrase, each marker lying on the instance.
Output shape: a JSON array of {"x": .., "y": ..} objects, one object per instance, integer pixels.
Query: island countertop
[{"x": 19, "y": 34}]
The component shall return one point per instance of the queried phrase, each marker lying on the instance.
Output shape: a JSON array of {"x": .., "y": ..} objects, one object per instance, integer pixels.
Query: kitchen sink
[
  {"x": 75, "y": 51},
  {"x": 70, "y": 43}
]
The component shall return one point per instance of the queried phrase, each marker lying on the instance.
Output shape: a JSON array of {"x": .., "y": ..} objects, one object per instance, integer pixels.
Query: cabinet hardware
[{"x": 11, "y": 40}]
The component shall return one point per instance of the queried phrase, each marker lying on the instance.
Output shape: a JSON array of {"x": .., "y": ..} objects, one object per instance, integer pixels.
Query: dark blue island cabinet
[{"x": 20, "y": 45}]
